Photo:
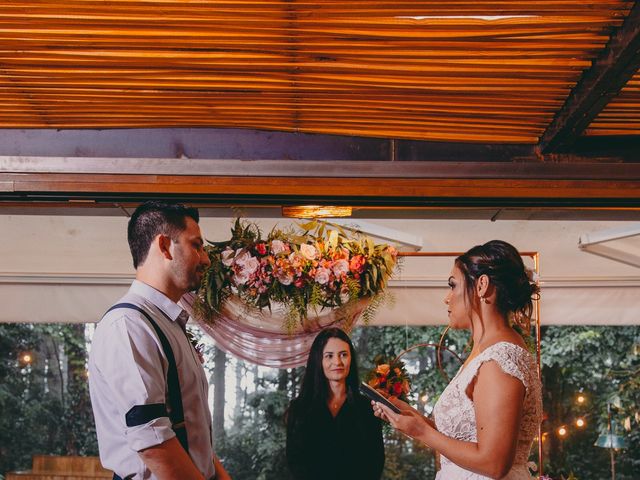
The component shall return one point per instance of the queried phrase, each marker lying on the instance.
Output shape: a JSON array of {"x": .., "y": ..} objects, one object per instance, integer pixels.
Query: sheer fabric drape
[{"x": 259, "y": 336}]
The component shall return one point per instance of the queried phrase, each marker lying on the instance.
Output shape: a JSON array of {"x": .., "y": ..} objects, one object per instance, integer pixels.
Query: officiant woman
[{"x": 331, "y": 430}]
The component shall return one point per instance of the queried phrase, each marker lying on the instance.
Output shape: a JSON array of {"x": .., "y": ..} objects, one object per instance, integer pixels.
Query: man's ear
[{"x": 164, "y": 245}]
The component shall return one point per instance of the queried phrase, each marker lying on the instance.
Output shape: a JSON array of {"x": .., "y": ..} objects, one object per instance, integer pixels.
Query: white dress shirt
[{"x": 128, "y": 367}]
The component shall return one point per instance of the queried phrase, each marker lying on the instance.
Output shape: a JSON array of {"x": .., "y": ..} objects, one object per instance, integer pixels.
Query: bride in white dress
[{"x": 486, "y": 419}]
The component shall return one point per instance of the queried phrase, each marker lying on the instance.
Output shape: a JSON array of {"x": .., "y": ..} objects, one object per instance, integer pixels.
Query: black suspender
[{"x": 139, "y": 416}]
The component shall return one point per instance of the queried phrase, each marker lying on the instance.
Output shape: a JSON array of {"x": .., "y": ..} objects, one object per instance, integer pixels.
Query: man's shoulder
[{"x": 120, "y": 315}]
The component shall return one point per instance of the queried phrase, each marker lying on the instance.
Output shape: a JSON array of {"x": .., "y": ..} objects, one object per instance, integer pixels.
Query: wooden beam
[
  {"x": 550, "y": 167},
  {"x": 340, "y": 190},
  {"x": 613, "y": 68}
]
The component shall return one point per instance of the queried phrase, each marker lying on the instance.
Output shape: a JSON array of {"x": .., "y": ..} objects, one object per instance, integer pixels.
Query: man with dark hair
[{"x": 148, "y": 389}]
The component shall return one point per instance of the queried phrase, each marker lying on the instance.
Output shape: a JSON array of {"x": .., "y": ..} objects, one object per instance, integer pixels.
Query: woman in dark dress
[{"x": 331, "y": 430}]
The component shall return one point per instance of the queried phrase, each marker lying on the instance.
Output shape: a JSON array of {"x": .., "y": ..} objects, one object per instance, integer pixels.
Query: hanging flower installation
[{"x": 304, "y": 270}]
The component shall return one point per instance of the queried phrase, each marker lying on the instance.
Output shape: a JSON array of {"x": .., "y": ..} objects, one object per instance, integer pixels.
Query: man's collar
[{"x": 159, "y": 299}]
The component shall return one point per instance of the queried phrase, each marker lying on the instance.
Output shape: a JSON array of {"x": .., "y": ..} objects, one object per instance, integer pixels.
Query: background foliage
[
  {"x": 45, "y": 405},
  {"x": 44, "y": 408}
]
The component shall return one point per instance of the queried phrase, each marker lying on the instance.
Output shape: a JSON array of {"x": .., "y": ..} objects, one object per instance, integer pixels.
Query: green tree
[
  {"x": 44, "y": 403},
  {"x": 602, "y": 363}
]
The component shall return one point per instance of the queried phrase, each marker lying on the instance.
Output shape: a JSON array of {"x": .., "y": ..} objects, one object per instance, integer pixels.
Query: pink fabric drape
[{"x": 260, "y": 337}]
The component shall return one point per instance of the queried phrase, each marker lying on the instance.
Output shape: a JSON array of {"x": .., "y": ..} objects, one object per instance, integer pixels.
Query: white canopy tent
[{"x": 71, "y": 268}]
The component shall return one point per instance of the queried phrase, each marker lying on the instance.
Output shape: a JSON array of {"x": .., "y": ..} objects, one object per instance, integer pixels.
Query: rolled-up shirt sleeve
[{"x": 133, "y": 369}]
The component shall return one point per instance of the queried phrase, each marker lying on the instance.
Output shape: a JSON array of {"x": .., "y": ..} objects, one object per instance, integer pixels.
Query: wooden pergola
[{"x": 530, "y": 103}]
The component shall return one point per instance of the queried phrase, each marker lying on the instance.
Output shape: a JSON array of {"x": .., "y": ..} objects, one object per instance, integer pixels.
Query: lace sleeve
[{"x": 512, "y": 359}]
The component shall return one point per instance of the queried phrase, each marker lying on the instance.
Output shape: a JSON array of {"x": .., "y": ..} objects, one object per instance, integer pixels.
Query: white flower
[
  {"x": 322, "y": 275},
  {"x": 340, "y": 267},
  {"x": 240, "y": 277},
  {"x": 247, "y": 262},
  {"x": 227, "y": 257},
  {"x": 308, "y": 251},
  {"x": 277, "y": 247},
  {"x": 252, "y": 264}
]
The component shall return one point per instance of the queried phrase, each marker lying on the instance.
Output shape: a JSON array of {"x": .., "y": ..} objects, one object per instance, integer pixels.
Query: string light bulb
[
  {"x": 580, "y": 423},
  {"x": 562, "y": 431},
  {"x": 25, "y": 358},
  {"x": 581, "y": 399}
]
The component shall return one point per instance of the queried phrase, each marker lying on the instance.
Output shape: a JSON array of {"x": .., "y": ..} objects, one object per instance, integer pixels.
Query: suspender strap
[{"x": 176, "y": 412}]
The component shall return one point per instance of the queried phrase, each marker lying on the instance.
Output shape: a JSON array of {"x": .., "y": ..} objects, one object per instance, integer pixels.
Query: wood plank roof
[
  {"x": 456, "y": 71},
  {"x": 622, "y": 115}
]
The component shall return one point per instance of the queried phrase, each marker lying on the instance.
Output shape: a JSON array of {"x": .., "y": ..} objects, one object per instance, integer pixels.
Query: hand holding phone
[{"x": 373, "y": 394}]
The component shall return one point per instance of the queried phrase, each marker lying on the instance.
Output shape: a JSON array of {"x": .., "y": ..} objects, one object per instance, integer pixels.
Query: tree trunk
[
  {"x": 238, "y": 411},
  {"x": 554, "y": 392},
  {"x": 283, "y": 379},
  {"x": 77, "y": 387},
  {"x": 219, "y": 367}
]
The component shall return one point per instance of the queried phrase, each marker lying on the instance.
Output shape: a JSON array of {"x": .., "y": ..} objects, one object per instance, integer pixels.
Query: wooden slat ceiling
[
  {"x": 455, "y": 70},
  {"x": 622, "y": 115}
]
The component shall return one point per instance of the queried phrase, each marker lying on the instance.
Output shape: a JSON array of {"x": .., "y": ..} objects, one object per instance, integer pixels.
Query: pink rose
[
  {"x": 278, "y": 246},
  {"x": 240, "y": 277},
  {"x": 340, "y": 268},
  {"x": 322, "y": 275},
  {"x": 308, "y": 251},
  {"x": 284, "y": 277},
  {"x": 227, "y": 257}
]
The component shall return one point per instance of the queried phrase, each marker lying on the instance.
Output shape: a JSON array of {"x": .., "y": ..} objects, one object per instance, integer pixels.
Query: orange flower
[
  {"x": 405, "y": 387},
  {"x": 383, "y": 369},
  {"x": 356, "y": 265}
]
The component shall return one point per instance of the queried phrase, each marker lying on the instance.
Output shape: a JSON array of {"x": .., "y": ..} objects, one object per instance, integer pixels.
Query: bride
[{"x": 486, "y": 419}]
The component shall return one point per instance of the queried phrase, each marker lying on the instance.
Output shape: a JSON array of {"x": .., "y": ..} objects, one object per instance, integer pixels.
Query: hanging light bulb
[
  {"x": 25, "y": 358},
  {"x": 562, "y": 431},
  {"x": 581, "y": 399},
  {"x": 580, "y": 423}
]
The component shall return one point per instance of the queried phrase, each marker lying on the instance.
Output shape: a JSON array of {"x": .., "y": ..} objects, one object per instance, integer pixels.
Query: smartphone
[{"x": 373, "y": 394}]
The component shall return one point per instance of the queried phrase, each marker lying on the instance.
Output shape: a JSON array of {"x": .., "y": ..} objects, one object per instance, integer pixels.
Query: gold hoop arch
[{"x": 535, "y": 256}]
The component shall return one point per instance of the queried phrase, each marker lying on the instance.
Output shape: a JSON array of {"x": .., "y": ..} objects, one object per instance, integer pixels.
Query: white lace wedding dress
[{"x": 455, "y": 416}]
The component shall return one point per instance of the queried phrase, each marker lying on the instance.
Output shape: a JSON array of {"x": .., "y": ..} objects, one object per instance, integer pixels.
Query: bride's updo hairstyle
[{"x": 501, "y": 262}]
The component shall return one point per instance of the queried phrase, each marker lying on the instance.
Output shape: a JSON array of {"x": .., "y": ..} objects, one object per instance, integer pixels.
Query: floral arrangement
[
  {"x": 390, "y": 376},
  {"x": 305, "y": 269}
]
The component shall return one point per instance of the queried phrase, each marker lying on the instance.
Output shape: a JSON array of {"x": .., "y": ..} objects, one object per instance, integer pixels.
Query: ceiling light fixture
[{"x": 316, "y": 211}]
